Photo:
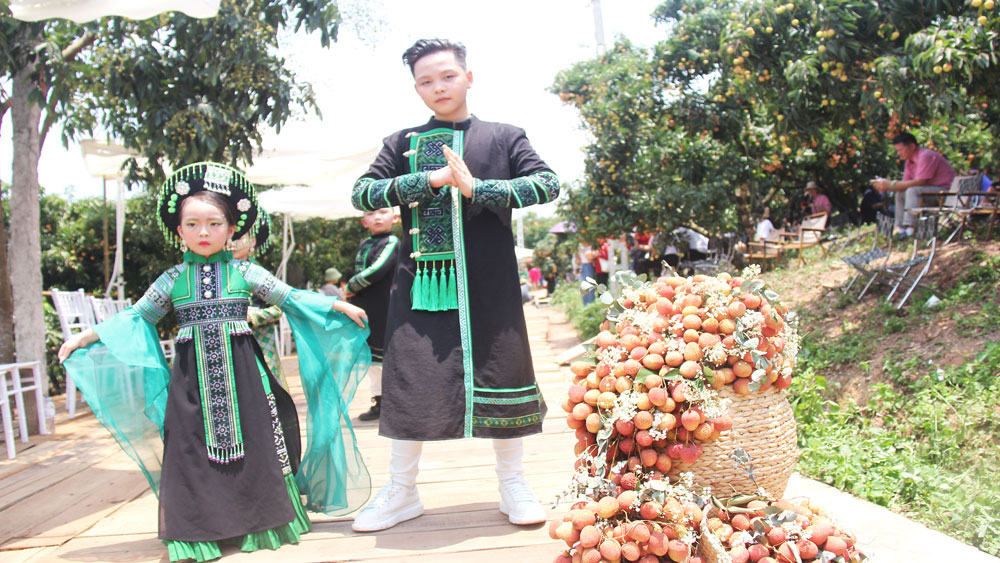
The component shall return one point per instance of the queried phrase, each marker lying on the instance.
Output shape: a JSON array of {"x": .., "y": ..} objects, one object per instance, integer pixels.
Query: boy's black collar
[{"x": 460, "y": 125}]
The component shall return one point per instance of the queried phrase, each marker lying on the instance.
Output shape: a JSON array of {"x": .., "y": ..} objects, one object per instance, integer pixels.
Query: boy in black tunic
[
  {"x": 375, "y": 263},
  {"x": 457, "y": 362}
]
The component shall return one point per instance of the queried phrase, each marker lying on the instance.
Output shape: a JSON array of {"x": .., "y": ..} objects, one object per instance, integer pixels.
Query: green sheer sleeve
[
  {"x": 333, "y": 357},
  {"x": 124, "y": 377}
]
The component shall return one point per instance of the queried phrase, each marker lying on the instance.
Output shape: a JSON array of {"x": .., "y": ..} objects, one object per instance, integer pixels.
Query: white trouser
[
  {"x": 375, "y": 379},
  {"x": 910, "y": 199},
  {"x": 404, "y": 461}
]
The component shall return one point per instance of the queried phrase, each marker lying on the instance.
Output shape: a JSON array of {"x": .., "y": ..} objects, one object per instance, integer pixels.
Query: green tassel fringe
[
  {"x": 434, "y": 289},
  {"x": 267, "y": 539},
  {"x": 452, "y": 289}
]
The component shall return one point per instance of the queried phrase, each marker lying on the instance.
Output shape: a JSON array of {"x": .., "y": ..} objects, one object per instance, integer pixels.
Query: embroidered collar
[
  {"x": 220, "y": 256},
  {"x": 460, "y": 125}
]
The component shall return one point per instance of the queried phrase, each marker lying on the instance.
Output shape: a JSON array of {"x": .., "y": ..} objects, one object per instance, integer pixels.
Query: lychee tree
[{"x": 745, "y": 101}]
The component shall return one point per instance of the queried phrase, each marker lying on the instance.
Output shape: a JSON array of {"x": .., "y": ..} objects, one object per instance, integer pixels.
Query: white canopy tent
[
  {"x": 322, "y": 188},
  {"x": 86, "y": 10}
]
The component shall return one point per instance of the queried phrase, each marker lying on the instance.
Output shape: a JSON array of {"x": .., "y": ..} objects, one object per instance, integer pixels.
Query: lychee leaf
[
  {"x": 759, "y": 526},
  {"x": 758, "y": 376},
  {"x": 673, "y": 375},
  {"x": 751, "y": 343},
  {"x": 754, "y": 386},
  {"x": 709, "y": 374},
  {"x": 643, "y": 374},
  {"x": 770, "y": 295},
  {"x": 771, "y": 510}
]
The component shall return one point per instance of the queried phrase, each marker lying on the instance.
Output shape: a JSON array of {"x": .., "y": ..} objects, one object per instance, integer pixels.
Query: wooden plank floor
[{"x": 75, "y": 496}]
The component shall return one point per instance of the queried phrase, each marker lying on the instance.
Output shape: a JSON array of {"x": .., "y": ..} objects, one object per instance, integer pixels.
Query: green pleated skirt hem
[{"x": 266, "y": 539}]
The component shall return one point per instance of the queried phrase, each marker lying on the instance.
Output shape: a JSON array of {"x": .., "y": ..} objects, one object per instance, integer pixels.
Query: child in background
[
  {"x": 216, "y": 435},
  {"x": 375, "y": 263}
]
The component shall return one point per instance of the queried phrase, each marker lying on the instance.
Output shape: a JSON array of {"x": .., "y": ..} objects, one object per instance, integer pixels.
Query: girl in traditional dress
[{"x": 216, "y": 435}]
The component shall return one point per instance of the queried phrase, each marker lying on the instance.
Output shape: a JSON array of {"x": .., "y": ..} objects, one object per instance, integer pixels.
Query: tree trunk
[
  {"x": 6, "y": 299},
  {"x": 25, "y": 234}
]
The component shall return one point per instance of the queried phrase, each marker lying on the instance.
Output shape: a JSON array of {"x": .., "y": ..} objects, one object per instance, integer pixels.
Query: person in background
[
  {"x": 817, "y": 202},
  {"x": 375, "y": 263},
  {"x": 764, "y": 226},
  {"x": 924, "y": 170},
  {"x": 331, "y": 281},
  {"x": 585, "y": 257}
]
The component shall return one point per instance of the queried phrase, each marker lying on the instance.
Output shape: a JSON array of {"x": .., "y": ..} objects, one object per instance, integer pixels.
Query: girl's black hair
[{"x": 216, "y": 199}]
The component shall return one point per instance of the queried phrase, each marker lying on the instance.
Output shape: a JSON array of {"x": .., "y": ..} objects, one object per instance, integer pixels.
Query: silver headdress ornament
[{"x": 217, "y": 179}]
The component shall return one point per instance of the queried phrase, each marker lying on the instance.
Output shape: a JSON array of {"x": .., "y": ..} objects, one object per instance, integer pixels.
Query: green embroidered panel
[
  {"x": 432, "y": 238},
  {"x": 516, "y": 422}
]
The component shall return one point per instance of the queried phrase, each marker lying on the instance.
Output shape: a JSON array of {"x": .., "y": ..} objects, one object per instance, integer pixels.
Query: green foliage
[
  {"x": 924, "y": 447},
  {"x": 742, "y": 102},
  {"x": 586, "y": 319}
]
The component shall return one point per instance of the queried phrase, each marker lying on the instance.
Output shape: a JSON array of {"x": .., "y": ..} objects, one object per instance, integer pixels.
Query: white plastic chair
[
  {"x": 76, "y": 314},
  {"x": 105, "y": 308},
  {"x": 13, "y": 384}
]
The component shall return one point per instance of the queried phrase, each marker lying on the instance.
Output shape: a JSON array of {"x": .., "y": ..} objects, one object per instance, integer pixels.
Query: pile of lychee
[
  {"x": 629, "y": 527},
  {"x": 674, "y": 342},
  {"x": 777, "y": 532}
]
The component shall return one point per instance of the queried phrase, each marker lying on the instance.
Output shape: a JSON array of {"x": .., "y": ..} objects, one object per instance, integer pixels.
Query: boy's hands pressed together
[{"x": 455, "y": 174}]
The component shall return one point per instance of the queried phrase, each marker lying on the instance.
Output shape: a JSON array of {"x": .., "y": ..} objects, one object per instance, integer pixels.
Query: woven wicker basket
[
  {"x": 763, "y": 426},
  {"x": 709, "y": 545}
]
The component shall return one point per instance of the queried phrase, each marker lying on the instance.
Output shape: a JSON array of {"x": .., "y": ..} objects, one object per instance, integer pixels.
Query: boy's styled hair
[{"x": 424, "y": 47}]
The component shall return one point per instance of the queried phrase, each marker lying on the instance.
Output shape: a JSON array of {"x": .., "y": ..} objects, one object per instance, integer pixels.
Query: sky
[{"x": 516, "y": 47}]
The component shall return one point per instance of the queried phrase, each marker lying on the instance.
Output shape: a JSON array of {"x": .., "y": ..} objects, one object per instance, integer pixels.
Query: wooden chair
[
  {"x": 809, "y": 234},
  {"x": 954, "y": 205},
  {"x": 988, "y": 204},
  {"x": 76, "y": 314},
  {"x": 13, "y": 384},
  {"x": 764, "y": 251}
]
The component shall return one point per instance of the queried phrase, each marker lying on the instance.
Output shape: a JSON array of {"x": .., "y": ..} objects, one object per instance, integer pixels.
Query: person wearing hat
[
  {"x": 331, "y": 283},
  {"x": 818, "y": 203},
  {"x": 215, "y": 434}
]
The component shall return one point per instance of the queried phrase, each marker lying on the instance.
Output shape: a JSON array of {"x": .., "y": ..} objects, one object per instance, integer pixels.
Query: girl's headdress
[{"x": 224, "y": 180}]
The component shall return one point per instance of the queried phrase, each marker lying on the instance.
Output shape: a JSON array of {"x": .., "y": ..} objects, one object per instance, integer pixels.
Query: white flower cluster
[
  {"x": 709, "y": 400},
  {"x": 654, "y": 430},
  {"x": 750, "y": 272},
  {"x": 640, "y": 319},
  {"x": 741, "y": 538},
  {"x": 674, "y": 344},
  {"x": 716, "y": 354},
  {"x": 626, "y": 407},
  {"x": 611, "y": 355},
  {"x": 750, "y": 323}
]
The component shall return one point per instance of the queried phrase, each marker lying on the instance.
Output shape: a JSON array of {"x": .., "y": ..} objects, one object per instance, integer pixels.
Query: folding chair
[
  {"x": 924, "y": 246},
  {"x": 862, "y": 261},
  {"x": 14, "y": 386},
  {"x": 76, "y": 314}
]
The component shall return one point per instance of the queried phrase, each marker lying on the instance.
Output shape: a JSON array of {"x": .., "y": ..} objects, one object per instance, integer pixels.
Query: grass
[{"x": 924, "y": 444}]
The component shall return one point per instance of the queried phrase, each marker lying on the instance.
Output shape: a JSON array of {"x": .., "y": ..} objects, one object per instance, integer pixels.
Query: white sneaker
[
  {"x": 518, "y": 502},
  {"x": 393, "y": 504}
]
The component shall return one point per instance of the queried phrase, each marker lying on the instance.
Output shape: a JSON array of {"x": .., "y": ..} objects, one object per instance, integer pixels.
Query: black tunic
[
  {"x": 375, "y": 263},
  {"x": 429, "y": 390}
]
